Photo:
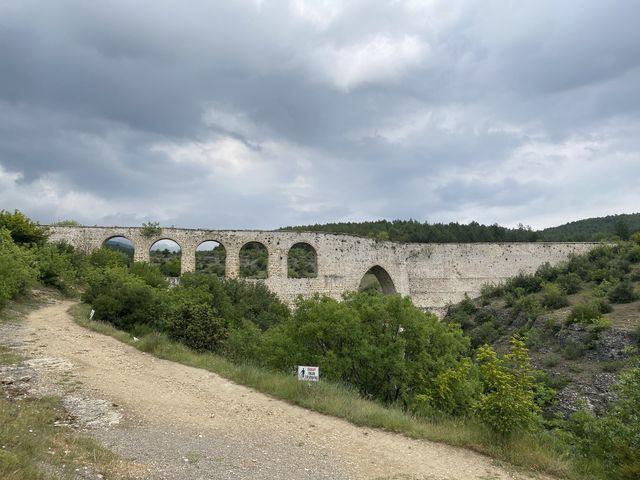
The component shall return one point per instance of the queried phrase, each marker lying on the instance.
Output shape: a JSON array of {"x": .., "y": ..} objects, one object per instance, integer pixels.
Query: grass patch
[
  {"x": 538, "y": 452},
  {"x": 32, "y": 446}
]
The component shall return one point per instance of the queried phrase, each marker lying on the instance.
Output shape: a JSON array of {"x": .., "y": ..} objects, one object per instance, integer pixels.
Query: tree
[
  {"x": 622, "y": 230},
  {"x": 22, "y": 230}
]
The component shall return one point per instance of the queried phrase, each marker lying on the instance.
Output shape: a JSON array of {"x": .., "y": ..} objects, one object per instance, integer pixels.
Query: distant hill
[
  {"x": 598, "y": 228},
  {"x": 412, "y": 231}
]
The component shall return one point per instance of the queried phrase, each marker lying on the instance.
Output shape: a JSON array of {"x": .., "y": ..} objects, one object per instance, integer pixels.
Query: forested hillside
[{"x": 592, "y": 229}]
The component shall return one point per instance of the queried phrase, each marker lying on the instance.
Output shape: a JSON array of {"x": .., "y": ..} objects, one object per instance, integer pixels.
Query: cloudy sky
[{"x": 260, "y": 114}]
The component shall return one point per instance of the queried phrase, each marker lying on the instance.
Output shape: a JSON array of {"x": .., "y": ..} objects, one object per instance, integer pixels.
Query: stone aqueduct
[{"x": 433, "y": 275}]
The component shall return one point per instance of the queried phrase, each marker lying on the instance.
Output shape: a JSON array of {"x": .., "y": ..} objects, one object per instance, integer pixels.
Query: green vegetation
[
  {"x": 580, "y": 317},
  {"x": 211, "y": 261},
  {"x": 151, "y": 229},
  {"x": 302, "y": 261},
  {"x": 468, "y": 380},
  {"x": 167, "y": 261},
  {"x": 254, "y": 258},
  {"x": 22, "y": 230}
]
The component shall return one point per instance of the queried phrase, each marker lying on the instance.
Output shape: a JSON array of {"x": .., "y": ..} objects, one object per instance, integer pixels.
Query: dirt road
[{"x": 185, "y": 423}]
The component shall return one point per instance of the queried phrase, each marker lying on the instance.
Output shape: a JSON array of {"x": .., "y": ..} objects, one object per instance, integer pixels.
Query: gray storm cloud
[{"x": 261, "y": 114}]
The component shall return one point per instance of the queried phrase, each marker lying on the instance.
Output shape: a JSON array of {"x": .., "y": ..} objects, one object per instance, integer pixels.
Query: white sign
[
  {"x": 309, "y": 374},
  {"x": 93, "y": 312}
]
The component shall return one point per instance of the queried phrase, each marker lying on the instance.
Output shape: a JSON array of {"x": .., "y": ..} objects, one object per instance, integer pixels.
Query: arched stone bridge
[{"x": 433, "y": 275}]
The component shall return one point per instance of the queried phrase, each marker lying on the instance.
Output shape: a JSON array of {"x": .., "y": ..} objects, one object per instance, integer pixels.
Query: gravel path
[{"x": 179, "y": 422}]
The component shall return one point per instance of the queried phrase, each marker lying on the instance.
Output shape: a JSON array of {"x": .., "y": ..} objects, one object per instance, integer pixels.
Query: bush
[
  {"x": 16, "y": 272},
  {"x": 55, "y": 267},
  {"x": 586, "y": 312},
  {"x": 149, "y": 273},
  {"x": 551, "y": 360},
  {"x": 553, "y": 297},
  {"x": 196, "y": 325},
  {"x": 611, "y": 443},
  {"x": 151, "y": 229},
  {"x": 381, "y": 344},
  {"x": 22, "y": 230},
  {"x": 528, "y": 283},
  {"x": 633, "y": 255},
  {"x": 107, "y": 257},
  {"x": 529, "y": 305},
  {"x": 507, "y": 404},
  {"x": 623, "y": 292},
  {"x": 485, "y": 333},
  {"x": 573, "y": 351},
  {"x": 547, "y": 272},
  {"x": 122, "y": 299},
  {"x": 452, "y": 392},
  {"x": 570, "y": 282}
]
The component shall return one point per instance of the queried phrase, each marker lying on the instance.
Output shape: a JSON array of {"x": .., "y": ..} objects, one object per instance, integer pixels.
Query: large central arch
[{"x": 382, "y": 277}]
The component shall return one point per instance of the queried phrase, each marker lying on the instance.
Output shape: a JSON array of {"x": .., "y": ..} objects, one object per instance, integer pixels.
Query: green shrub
[
  {"x": 56, "y": 267},
  {"x": 122, "y": 299},
  {"x": 16, "y": 272},
  {"x": 451, "y": 392},
  {"x": 107, "y": 257},
  {"x": 586, "y": 312},
  {"x": 633, "y": 255},
  {"x": 580, "y": 265},
  {"x": 149, "y": 273},
  {"x": 21, "y": 229},
  {"x": 529, "y": 305},
  {"x": 256, "y": 303},
  {"x": 599, "y": 324},
  {"x": 485, "y": 333},
  {"x": 553, "y": 297},
  {"x": 534, "y": 338},
  {"x": 528, "y": 283},
  {"x": 610, "y": 445},
  {"x": 380, "y": 344},
  {"x": 507, "y": 404},
  {"x": 196, "y": 325},
  {"x": 551, "y": 360},
  {"x": 151, "y": 229},
  {"x": 573, "y": 350},
  {"x": 570, "y": 282},
  {"x": 623, "y": 292},
  {"x": 547, "y": 272},
  {"x": 489, "y": 291}
]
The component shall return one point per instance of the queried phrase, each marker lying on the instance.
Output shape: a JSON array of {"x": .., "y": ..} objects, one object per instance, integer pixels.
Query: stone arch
[
  {"x": 378, "y": 278},
  {"x": 122, "y": 244},
  {"x": 166, "y": 254},
  {"x": 211, "y": 257},
  {"x": 302, "y": 261},
  {"x": 254, "y": 260}
]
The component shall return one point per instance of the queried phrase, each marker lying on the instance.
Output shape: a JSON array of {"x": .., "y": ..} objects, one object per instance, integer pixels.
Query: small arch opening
[
  {"x": 302, "y": 261},
  {"x": 166, "y": 254},
  {"x": 122, "y": 245},
  {"x": 211, "y": 257},
  {"x": 377, "y": 278},
  {"x": 254, "y": 259}
]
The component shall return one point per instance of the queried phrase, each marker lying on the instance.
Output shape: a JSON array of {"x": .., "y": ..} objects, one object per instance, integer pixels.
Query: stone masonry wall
[{"x": 433, "y": 275}]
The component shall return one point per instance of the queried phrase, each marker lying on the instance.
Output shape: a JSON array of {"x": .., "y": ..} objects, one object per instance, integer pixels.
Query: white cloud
[{"x": 379, "y": 59}]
